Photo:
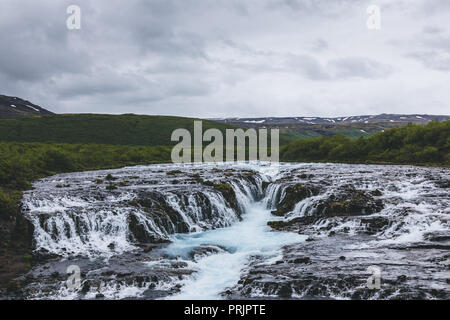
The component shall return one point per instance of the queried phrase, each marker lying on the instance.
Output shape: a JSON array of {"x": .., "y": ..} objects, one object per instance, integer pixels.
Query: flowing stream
[{"x": 250, "y": 237}]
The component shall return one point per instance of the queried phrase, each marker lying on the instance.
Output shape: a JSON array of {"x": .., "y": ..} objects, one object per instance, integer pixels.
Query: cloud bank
[{"x": 228, "y": 58}]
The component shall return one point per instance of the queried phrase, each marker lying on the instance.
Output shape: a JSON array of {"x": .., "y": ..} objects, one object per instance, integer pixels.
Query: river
[{"x": 212, "y": 231}]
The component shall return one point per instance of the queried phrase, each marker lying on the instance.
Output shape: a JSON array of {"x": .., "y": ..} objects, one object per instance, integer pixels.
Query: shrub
[{"x": 7, "y": 205}]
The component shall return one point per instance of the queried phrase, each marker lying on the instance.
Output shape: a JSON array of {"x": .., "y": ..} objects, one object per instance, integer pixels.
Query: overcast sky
[{"x": 228, "y": 58}]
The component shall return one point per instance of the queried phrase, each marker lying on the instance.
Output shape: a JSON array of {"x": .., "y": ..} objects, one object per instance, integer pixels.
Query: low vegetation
[
  {"x": 127, "y": 129},
  {"x": 410, "y": 144}
]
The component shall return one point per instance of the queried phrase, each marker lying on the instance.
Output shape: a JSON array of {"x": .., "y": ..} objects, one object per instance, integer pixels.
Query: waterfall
[
  {"x": 216, "y": 219},
  {"x": 88, "y": 220}
]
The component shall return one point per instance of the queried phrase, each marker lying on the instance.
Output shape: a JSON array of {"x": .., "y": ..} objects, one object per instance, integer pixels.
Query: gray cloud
[
  {"x": 433, "y": 59},
  {"x": 227, "y": 57},
  {"x": 358, "y": 67},
  {"x": 435, "y": 49}
]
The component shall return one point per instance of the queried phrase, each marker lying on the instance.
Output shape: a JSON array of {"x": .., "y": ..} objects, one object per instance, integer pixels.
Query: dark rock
[
  {"x": 437, "y": 236},
  {"x": 173, "y": 172},
  {"x": 445, "y": 184},
  {"x": 85, "y": 287},
  {"x": 205, "y": 250},
  {"x": 293, "y": 223},
  {"x": 111, "y": 186},
  {"x": 293, "y": 195},
  {"x": 149, "y": 248},
  {"x": 348, "y": 202},
  {"x": 375, "y": 224},
  {"x": 302, "y": 260},
  {"x": 402, "y": 278},
  {"x": 179, "y": 264},
  {"x": 110, "y": 177},
  {"x": 285, "y": 291},
  {"x": 228, "y": 193},
  {"x": 376, "y": 193},
  {"x": 341, "y": 258}
]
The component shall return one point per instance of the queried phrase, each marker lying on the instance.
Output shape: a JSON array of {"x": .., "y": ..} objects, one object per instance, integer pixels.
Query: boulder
[
  {"x": 293, "y": 195},
  {"x": 348, "y": 202}
]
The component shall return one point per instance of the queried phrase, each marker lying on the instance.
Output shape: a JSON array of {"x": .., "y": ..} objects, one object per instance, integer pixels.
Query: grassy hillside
[
  {"x": 100, "y": 129},
  {"x": 410, "y": 144}
]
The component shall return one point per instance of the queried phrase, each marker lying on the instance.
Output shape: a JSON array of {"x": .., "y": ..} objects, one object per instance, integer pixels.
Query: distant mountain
[
  {"x": 13, "y": 107},
  {"x": 404, "y": 118},
  {"x": 352, "y": 126}
]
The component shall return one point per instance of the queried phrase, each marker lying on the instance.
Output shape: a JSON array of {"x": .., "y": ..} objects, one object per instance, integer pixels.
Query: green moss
[
  {"x": 111, "y": 186},
  {"x": 228, "y": 193},
  {"x": 294, "y": 194},
  {"x": 110, "y": 177},
  {"x": 173, "y": 172}
]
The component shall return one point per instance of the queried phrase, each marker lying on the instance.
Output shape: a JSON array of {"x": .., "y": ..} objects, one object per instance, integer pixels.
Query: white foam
[{"x": 250, "y": 237}]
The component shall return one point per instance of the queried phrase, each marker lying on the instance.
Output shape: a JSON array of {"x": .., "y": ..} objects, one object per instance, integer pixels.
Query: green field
[{"x": 125, "y": 129}]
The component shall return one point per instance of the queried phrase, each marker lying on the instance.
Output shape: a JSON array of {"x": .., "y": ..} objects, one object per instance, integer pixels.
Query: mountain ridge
[
  {"x": 314, "y": 127},
  {"x": 383, "y": 117},
  {"x": 13, "y": 107}
]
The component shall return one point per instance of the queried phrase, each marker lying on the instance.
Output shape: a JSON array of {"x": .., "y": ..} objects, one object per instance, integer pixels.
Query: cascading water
[
  {"x": 88, "y": 219},
  {"x": 250, "y": 237},
  {"x": 206, "y": 230}
]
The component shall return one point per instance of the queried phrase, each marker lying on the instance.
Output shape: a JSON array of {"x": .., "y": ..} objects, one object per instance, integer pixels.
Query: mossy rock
[
  {"x": 349, "y": 202},
  {"x": 376, "y": 193},
  {"x": 111, "y": 187},
  {"x": 228, "y": 193},
  {"x": 208, "y": 183},
  {"x": 110, "y": 177},
  {"x": 294, "y": 194},
  {"x": 282, "y": 225},
  {"x": 173, "y": 172}
]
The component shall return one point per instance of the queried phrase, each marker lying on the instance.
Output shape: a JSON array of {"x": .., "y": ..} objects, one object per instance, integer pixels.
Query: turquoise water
[{"x": 244, "y": 239}]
